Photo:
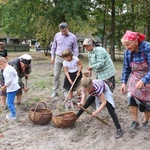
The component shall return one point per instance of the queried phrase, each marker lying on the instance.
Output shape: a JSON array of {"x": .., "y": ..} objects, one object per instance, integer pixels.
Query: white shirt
[
  {"x": 11, "y": 79},
  {"x": 72, "y": 65}
]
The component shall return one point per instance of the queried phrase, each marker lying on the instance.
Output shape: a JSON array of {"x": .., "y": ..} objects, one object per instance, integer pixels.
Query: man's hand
[{"x": 52, "y": 60}]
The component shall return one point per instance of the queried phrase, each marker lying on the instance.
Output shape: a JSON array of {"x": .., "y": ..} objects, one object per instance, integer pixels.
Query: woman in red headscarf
[{"x": 136, "y": 68}]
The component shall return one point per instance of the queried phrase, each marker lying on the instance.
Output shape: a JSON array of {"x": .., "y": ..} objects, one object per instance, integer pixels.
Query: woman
[
  {"x": 22, "y": 65},
  {"x": 136, "y": 69},
  {"x": 100, "y": 62}
]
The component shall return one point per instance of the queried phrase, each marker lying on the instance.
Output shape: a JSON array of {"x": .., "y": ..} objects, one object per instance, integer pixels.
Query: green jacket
[{"x": 101, "y": 63}]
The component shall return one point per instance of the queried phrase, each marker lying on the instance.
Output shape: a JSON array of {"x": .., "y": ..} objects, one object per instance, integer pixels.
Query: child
[
  {"x": 3, "y": 53},
  {"x": 99, "y": 93},
  {"x": 11, "y": 86},
  {"x": 72, "y": 68},
  {"x": 79, "y": 90}
]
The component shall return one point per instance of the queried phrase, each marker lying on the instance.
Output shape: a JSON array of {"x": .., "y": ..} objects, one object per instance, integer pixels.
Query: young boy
[
  {"x": 99, "y": 93},
  {"x": 11, "y": 86}
]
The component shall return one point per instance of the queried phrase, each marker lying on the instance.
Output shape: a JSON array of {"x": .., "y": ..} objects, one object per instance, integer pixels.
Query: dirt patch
[{"x": 86, "y": 134}]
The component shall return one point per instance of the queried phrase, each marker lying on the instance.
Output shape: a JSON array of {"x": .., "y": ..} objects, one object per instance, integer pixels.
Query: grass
[{"x": 40, "y": 81}]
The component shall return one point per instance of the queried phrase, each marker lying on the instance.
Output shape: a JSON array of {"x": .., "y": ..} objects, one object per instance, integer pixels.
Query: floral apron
[{"x": 139, "y": 70}]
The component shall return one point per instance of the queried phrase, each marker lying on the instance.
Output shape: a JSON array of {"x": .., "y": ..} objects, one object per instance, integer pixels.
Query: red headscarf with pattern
[{"x": 132, "y": 36}]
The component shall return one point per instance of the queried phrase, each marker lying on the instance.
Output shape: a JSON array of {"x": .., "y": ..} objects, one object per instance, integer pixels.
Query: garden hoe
[
  {"x": 89, "y": 112},
  {"x": 26, "y": 87},
  {"x": 68, "y": 102}
]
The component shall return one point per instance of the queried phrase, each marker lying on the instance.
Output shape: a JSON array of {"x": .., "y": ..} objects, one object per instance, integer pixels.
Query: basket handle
[{"x": 39, "y": 104}]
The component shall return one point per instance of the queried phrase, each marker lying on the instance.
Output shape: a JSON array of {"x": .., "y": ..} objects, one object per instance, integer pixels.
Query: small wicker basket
[
  {"x": 39, "y": 115},
  {"x": 64, "y": 120}
]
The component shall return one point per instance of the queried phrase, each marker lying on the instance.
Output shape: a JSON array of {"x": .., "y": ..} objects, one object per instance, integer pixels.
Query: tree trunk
[
  {"x": 112, "y": 37},
  {"x": 148, "y": 30},
  {"x": 104, "y": 24}
]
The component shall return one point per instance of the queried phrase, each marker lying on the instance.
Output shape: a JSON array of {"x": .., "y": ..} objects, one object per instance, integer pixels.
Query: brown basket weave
[
  {"x": 40, "y": 116},
  {"x": 64, "y": 120}
]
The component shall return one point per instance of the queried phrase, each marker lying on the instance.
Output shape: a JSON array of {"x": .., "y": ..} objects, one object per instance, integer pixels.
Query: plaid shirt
[
  {"x": 144, "y": 48},
  {"x": 101, "y": 63}
]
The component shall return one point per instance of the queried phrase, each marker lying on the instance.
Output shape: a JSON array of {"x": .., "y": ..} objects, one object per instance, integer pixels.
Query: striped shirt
[
  {"x": 99, "y": 87},
  {"x": 137, "y": 57}
]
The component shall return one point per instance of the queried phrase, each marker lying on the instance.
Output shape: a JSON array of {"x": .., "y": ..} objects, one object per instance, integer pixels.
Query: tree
[{"x": 40, "y": 18}]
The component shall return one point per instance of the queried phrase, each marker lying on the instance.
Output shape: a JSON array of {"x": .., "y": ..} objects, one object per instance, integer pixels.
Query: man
[
  {"x": 23, "y": 68},
  {"x": 62, "y": 40}
]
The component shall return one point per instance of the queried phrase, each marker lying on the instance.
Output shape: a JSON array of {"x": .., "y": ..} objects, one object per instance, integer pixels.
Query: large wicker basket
[
  {"x": 40, "y": 116},
  {"x": 64, "y": 120}
]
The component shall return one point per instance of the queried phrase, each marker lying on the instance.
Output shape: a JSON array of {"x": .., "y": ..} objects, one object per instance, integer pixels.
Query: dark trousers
[{"x": 110, "y": 108}]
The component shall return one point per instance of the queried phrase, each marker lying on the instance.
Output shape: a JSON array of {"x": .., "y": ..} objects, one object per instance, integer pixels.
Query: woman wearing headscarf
[
  {"x": 136, "y": 71},
  {"x": 22, "y": 65},
  {"x": 100, "y": 62}
]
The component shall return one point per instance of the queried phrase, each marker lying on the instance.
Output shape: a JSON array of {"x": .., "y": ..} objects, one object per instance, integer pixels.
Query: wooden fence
[{"x": 17, "y": 47}]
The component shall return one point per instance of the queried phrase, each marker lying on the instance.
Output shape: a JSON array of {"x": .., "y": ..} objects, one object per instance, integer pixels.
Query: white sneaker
[
  {"x": 10, "y": 117},
  {"x": 7, "y": 115},
  {"x": 54, "y": 95}
]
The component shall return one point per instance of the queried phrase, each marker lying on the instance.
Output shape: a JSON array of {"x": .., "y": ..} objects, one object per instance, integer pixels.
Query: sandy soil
[{"x": 86, "y": 134}]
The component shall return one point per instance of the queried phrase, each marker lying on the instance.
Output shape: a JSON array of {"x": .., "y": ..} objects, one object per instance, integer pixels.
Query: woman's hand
[
  {"x": 25, "y": 89},
  {"x": 26, "y": 76},
  {"x": 139, "y": 84},
  {"x": 89, "y": 68},
  {"x": 123, "y": 88}
]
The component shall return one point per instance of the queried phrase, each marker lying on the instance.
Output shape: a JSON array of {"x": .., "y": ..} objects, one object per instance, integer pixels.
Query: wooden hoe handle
[{"x": 89, "y": 112}]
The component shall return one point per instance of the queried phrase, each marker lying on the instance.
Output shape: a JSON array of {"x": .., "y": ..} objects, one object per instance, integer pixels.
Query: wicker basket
[
  {"x": 40, "y": 116},
  {"x": 64, "y": 120}
]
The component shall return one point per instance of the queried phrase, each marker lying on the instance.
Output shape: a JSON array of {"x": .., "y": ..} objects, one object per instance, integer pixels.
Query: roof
[{"x": 81, "y": 37}]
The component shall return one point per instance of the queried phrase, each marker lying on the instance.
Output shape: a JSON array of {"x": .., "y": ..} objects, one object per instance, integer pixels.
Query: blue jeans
[{"x": 10, "y": 102}]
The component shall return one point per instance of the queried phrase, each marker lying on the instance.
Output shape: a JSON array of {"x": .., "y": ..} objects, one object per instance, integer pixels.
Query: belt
[{"x": 58, "y": 55}]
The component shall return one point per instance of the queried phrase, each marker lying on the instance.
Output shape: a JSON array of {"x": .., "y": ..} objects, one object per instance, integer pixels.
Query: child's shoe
[
  {"x": 7, "y": 115},
  {"x": 79, "y": 99},
  {"x": 5, "y": 108},
  {"x": 119, "y": 134},
  {"x": 145, "y": 125},
  {"x": 69, "y": 103},
  {"x": 10, "y": 116}
]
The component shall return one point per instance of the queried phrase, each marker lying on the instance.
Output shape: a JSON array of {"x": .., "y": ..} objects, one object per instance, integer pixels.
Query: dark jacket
[{"x": 16, "y": 64}]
